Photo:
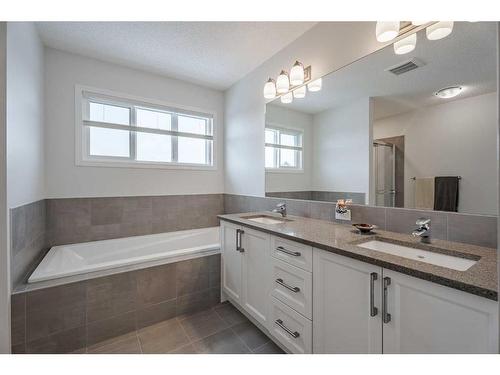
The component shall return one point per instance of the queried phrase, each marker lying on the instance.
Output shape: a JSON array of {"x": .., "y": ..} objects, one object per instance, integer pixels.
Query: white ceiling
[
  {"x": 212, "y": 54},
  {"x": 467, "y": 57}
]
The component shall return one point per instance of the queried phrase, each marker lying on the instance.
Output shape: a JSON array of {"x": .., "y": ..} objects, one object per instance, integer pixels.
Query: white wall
[
  {"x": 65, "y": 179},
  {"x": 342, "y": 152},
  {"x": 327, "y": 47},
  {"x": 25, "y": 114},
  {"x": 451, "y": 139},
  {"x": 292, "y": 180}
]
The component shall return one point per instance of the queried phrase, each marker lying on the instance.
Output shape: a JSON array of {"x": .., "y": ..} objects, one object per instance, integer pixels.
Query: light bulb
[
  {"x": 439, "y": 30},
  {"x": 287, "y": 98},
  {"x": 405, "y": 45},
  {"x": 448, "y": 92},
  {"x": 282, "y": 83},
  {"x": 270, "y": 89},
  {"x": 297, "y": 74},
  {"x": 315, "y": 85},
  {"x": 386, "y": 31},
  {"x": 300, "y": 92}
]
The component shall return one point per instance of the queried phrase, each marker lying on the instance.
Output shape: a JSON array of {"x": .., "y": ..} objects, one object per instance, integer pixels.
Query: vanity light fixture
[
  {"x": 287, "y": 98},
  {"x": 419, "y": 23},
  {"x": 405, "y": 45},
  {"x": 300, "y": 92},
  {"x": 315, "y": 85},
  {"x": 282, "y": 83},
  {"x": 297, "y": 74},
  {"x": 439, "y": 30},
  {"x": 270, "y": 89},
  {"x": 386, "y": 31},
  {"x": 448, "y": 92}
]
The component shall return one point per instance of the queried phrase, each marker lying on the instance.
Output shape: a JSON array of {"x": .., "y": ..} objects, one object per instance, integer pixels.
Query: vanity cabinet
[
  {"x": 347, "y": 297},
  {"x": 356, "y": 304},
  {"x": 245, "y": 268}
]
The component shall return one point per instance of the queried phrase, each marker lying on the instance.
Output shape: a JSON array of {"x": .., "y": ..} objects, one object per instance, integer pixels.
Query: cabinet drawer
[
  {"x": 292, "y": 286},
  {"x": 290, "y": 328},
  {"x": 292, "y": 252}
]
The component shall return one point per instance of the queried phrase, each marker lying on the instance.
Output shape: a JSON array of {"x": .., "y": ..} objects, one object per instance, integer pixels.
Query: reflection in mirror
[{"x": 381, "y": 132}]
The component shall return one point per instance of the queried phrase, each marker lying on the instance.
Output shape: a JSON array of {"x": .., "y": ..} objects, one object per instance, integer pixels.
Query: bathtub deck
[{"x": 219, "y": 330}]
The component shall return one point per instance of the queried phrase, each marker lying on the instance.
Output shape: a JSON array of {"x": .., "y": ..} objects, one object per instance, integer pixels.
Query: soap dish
[{"x": 364, "y": 228}]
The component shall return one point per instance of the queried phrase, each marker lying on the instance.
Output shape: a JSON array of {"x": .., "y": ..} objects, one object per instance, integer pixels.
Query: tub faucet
[
  {"x": 424, "y": 230},
  {"x": 281, "y": 208}
]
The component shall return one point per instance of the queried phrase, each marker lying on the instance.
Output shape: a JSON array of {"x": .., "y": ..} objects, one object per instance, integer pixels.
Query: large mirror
[{"x": 378, "y": 133}]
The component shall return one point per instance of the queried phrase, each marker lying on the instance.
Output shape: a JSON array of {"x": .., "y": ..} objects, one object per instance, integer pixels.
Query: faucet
[
  {"x": 281, "y": 208},
  {"x": 424, "y": 230}
]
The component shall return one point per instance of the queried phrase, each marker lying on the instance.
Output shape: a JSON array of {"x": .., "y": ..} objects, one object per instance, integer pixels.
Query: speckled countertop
[{"x": 480, "y": 279}]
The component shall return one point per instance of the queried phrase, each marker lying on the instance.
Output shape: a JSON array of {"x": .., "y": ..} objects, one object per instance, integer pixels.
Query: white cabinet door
[
  {"x": 431, "y": 318},
  {"x": 255, "y": 275},
  {"x": 344, "y": 291},
  {"x": 231, "y": 261}
]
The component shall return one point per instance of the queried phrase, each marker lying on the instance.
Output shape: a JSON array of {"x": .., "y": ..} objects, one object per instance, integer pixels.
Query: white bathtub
[{"x": 70, "y": 260}]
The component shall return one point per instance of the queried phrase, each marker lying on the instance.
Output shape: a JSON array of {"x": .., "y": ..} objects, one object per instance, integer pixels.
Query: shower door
[{"x": 384, "y": 170}]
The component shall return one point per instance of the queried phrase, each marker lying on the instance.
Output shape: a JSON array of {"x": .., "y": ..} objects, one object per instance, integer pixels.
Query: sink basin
[
  {"x": 264, "y": 219},
  {"x": 438, "y": 259}
]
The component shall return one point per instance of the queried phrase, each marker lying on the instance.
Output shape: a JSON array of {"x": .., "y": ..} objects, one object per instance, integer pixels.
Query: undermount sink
[
  {"x": 265, "y": 219},
  {"x": 431, "y": 257}
]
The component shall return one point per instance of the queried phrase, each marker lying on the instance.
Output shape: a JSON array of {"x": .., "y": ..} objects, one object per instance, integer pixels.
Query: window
[
  {"x": 124, "y": 132},
  {"x": 283, "y": 148}
]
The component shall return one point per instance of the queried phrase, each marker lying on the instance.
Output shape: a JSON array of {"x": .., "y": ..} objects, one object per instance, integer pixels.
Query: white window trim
[
  {"x": 110, "y": 162},
  {"x": 273, "y": 125}
]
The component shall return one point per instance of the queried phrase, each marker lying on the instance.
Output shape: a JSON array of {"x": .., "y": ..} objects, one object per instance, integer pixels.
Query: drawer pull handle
[
  {"x": 280, "y": 324},
  {"x": 294, "y": 289},
  {"x": 292, "y": 253},
  {"x": 373, "y": 309},
  {"x": 386, "y": 317},
  {"x": 239, "y": 248}
]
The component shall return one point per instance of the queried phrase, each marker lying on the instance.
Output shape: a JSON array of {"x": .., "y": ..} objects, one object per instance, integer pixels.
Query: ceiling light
[
  {"x": 315, "y": 85},
  {"x": 386, "y": 31},
  {"x": 439, "y": 30},
  {"x": 282, "y": 83},
  {"x": 287, "y": 98},
  {"x": 270, "y": 89},
  {"x": 405, "y": 45},
  {"x": 449, "y": 92},
  {"x": 300, "y": 92},
  {"x": 419, "y": 23},
  {"x": 297, "y": 74}
]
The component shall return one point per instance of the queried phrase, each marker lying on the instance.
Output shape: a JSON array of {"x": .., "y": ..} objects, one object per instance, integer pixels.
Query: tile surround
[{"x": 67, "y": 317}]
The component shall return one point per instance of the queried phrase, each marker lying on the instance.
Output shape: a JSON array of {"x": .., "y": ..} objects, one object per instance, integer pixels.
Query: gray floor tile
[
  {"x": 224, "y": 342},
  {"x": 122, "y": 345},
  {"x": 203, "y": 324},
  {"x": 230, "y": 314},
  {"x": 250, "y": 334},
  {"x": 269, "y": 348},
  {"x": 163, "y": 337}
]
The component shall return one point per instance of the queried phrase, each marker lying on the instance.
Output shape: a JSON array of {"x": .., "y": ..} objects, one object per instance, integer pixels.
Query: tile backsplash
[{"x": 478, "y": 230}]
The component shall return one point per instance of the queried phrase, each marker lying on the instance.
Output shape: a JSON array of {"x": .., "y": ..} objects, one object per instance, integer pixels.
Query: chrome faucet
[
  {"x": 281, "y": 208},
  {"x": 424, "y": 230}
]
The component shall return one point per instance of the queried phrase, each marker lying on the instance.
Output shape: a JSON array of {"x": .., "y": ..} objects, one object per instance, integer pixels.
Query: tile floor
[{"x": 219, "y": 330}]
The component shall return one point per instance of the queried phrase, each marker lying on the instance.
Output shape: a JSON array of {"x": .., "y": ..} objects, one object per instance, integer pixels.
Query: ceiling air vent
[{"x": 405, "y": 67}]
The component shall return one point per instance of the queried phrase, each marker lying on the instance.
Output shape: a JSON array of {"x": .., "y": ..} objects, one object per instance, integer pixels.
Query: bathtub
[{"x": 162, "y": 248}]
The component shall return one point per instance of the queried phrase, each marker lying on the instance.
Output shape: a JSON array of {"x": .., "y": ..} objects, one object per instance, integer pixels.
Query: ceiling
[
  {"x": 212, "y": 54},
  {"x": 467, "y": 57}
]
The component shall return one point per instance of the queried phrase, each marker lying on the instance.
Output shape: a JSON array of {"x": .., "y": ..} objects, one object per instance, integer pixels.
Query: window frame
[
  {"x": 289, "y": 130},
  {"x": 103, "y": 96}
]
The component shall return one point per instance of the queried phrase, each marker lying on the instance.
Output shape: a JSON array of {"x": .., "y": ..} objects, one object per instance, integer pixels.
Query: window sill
[
  {"x": 283, "y": 170},
  {"x": 145, "y": 165}
]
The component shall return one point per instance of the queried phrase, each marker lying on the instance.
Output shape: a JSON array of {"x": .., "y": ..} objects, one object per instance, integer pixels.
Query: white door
[
  {"x": 346, "y": 305},
  {"x": 255, "y": 275},
  {"x": 231, "y": 261},
  {"x": 429, "y": 318}
]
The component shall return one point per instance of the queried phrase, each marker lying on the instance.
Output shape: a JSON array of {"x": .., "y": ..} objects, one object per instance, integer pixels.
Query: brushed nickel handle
[
  {"x": 292, "y": 253},
  {"x": 373, "y": 309},
  {"x": 294, "y": 289},
  {"x": 280, "y": 324},
  {"x": 239, "y": 248},
  {"x": 386, "y": 317}
]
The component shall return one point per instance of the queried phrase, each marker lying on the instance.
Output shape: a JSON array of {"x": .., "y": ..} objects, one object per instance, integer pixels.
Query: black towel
[{"x": 446, "y": 194}]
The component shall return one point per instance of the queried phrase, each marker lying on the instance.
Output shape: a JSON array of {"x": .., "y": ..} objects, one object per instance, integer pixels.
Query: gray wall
[{"x": 478, "y": 230}]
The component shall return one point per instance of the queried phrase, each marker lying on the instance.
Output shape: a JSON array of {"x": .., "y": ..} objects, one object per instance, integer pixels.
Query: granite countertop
[{"x": 480, "y": 279}]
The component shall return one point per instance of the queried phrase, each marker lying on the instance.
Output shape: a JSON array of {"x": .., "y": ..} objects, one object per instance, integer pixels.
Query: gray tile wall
[
  {"x": 472, "y": 229},
  {"x": 65, "y": 318},
  {"x": 28, "y": 238}
]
